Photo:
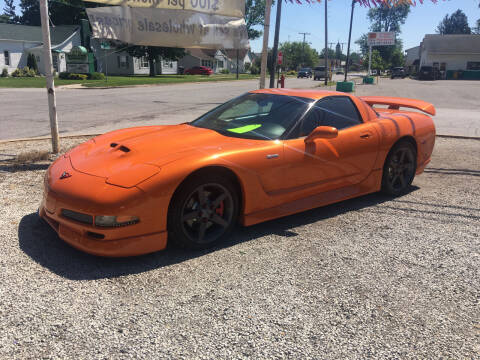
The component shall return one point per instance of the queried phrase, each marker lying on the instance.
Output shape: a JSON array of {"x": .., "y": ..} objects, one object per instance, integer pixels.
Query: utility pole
[
  {"x": 326, "y": 45},
  {"x": 47, "y": 60},
  {"x": 275, "y": 43},
  {"x": 266, "y": 32},
  {"x": 349, "y": 39},
  {"x": 303, "y": 46}
]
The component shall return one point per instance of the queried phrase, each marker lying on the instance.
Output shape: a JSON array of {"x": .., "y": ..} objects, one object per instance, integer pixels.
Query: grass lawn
[{"x": 39, "y": 82}]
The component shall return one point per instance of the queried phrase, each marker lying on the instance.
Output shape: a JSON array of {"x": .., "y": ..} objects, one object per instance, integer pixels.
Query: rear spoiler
[{"x": 396, "y": 102}]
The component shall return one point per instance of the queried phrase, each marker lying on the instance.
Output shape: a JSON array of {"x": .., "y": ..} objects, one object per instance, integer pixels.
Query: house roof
[
  {"x": 58, "y": 34},
  {"x": 449, "y": 44},
  {"x": 204, "y": 54}
]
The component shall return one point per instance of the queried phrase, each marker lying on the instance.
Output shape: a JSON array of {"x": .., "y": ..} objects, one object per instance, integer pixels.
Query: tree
[
  {"x": 476, "y": 30},
  {"x": 254, "y": 16},
  {"x": 296, "y": 55},
  {"x": 32, "y": 62},
  {"x": 9, "y": 11},
  {"x": 377, "y": 61},
  {"x": 4, "y": 19},
  {"x": 457, "y": 23},
  {"x": 330, "y": 53},
  {"x": 154, "y": 53},
  {"x": 388, "y": 18},
  {"x": 62, "y": 12}
]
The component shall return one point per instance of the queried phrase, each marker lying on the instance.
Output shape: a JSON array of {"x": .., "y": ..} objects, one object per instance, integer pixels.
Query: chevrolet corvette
[{"x": 264, "y": 155}]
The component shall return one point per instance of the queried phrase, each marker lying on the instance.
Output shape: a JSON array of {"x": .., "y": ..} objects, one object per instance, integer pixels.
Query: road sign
[
  {"x": 381, "y": 38},
  {"x": 280, "y": 58}
]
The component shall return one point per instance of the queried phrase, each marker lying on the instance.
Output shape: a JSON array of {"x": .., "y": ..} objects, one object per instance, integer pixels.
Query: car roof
[{"x": 306, "y": 93}]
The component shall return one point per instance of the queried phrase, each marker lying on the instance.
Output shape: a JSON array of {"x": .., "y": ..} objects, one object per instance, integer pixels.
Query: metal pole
[
  {"x": 349, "y": 39},
  {"x": 326, "y": 45},
  {"x": 266, "y": 32},
  {"x": 47, "y": 60},
  {"x": 369, "y": 59},
  {"x": 275, "y": 43},
  {"x": 237, "y": 64}
]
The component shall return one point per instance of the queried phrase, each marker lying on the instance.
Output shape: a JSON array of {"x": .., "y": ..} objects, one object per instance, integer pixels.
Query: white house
[
  {"x": 16, "y": 41},
  {"x": 450, "y": 52},
  {"x": 114, "y": 61}
]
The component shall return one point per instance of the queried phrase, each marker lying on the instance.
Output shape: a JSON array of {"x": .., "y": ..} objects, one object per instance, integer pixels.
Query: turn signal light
[{"x": 115, "y": 221}]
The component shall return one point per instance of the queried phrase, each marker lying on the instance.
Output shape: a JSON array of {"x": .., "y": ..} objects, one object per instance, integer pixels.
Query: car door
[{"x": 326, "y": 164}]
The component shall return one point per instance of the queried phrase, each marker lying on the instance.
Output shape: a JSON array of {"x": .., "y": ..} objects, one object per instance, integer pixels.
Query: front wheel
[
  {"x": 399, "y": 169},
  {"x": 203, "y": 212}
]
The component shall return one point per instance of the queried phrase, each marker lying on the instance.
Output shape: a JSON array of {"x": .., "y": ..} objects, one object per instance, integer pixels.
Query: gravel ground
[{"x": 367, "y": 278}]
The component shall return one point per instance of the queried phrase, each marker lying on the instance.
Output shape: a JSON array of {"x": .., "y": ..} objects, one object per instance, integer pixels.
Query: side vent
[{"x": 124, "y": 149}]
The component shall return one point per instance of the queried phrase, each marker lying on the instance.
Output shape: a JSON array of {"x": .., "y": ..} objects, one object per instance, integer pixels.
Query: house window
[
  {"x": 207, "y": 63},
  {"x": 143, "y": 62},
  {"x": 7, "y": 57},
  {"x": 122, "y": 61},
  {"x": 473, "y": 65},
  {"x": 220, "y": 64}
]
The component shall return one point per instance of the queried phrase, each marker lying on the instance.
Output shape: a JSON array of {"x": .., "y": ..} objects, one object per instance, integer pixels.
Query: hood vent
[{"x": 121, "y": 148}]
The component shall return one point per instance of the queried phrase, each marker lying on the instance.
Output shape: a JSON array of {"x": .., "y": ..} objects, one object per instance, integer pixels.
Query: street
[{"x": 100, "y": 110}]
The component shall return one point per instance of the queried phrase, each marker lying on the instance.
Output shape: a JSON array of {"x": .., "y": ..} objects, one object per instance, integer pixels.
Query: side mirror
[{"x": 322, "y": 132}]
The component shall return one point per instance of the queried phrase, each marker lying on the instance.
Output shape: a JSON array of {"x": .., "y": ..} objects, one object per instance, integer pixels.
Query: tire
[
  {"x": 399, "y": 169},
  {"x": 195, "y": 220}
]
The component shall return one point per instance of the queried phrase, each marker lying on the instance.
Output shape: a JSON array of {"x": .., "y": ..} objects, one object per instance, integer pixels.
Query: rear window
[{"x": 320, "y": 68}]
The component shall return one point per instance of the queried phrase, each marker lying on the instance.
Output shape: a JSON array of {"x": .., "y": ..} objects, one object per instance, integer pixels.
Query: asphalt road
[
  {"x": 372, "y": 277},
  {"x": 24, "y": 112}
]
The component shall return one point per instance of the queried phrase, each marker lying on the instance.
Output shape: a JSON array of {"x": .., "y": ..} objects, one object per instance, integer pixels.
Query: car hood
[{"x": 127, "y": 157}]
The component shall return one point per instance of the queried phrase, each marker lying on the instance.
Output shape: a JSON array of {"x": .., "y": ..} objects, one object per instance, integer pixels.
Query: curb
[
  {"x": 46, "y": 138},
  {"x": 96, "y": 134}
]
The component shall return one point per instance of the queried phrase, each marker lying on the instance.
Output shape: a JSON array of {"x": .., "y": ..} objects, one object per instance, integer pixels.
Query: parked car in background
[
  {"x": 398, "y": 72},
  {"x": 319, "y": 73},
  {"x": 428, "y": 73},
  {"x": 199, "y": 70},
  {"x": 305, "y": 73}
]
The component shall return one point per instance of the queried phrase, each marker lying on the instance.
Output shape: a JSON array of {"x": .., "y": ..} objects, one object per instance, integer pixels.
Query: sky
[{"x": 423, "y": 19}]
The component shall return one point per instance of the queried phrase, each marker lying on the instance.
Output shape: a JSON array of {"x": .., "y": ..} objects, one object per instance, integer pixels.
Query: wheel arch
[
  {"x": 406, "y": 138},
  {"x": 222, "y": 171}
]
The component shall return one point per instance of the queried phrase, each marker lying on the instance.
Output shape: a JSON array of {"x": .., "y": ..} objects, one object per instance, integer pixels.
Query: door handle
[{"x": 365, "y": 136}]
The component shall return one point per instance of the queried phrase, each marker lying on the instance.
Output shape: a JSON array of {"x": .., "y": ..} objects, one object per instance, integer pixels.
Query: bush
[
  {"x": 77, "y": 77},
  {"x": 254, "y": 70},
  {"x": 292, "y": 72},
  {"x": 96, "y": 76},
  {"x": 71, "y": 76},
  {"x": 27, "y": 72},
  {"x": 4, "y": 72},
  {"x": 32, "y": 62},
  {"x": 17, "y": 73},
  {"x": 224, "y": 71}
]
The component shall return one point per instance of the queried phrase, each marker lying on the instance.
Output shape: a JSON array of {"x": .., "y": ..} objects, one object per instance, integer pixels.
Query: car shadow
[{"x": 41, "y": 243}]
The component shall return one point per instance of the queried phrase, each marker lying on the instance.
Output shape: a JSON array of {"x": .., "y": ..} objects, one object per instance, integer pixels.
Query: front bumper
[{"x": 90, "y": 195}]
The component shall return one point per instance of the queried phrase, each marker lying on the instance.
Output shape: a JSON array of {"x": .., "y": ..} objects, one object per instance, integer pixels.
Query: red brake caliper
[{"x": 219, "y": 210}]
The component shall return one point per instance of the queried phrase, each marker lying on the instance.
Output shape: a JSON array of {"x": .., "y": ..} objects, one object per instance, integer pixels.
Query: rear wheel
[
  {"x": 399, "y": 169},
  {"x": 203, "y": 212}
]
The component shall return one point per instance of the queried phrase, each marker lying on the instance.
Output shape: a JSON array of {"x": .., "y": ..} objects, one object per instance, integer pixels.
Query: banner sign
[
  {"x": 169, "y": 28},
  {"x": 234, "y": 8},
  {"x": 381, "y": 38}
]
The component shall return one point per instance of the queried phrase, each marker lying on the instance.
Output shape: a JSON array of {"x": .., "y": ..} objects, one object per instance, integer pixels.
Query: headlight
[{"x": 115, "y": 221}]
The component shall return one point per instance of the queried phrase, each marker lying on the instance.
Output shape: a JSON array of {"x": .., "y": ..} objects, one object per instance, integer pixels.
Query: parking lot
[{"x": 373, "y": 277}]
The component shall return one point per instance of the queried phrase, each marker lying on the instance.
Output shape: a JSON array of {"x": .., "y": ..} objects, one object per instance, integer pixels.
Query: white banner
[
  {"x": 169, "y": 28},
  {"x": 381, "y": 38},
  {"x": 235, "y": 8}
]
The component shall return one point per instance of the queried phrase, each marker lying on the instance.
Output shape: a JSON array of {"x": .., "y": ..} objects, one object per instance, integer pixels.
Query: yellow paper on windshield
[{"x": 244, "y": 129}]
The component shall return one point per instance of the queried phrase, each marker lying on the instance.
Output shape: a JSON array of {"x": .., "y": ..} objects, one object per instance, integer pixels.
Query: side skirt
[{"x": 369, "y": 185}]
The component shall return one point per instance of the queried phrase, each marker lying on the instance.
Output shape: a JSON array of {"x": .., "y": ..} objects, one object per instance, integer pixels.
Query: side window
[
  {"x": 339, "y": 112},
  {"x": 312, "y": 120}
]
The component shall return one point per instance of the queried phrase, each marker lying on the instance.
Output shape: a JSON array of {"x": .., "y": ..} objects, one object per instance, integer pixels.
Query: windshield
[
  {"x": 305, "y": 69},
  {"x": 255, "y": 116}
]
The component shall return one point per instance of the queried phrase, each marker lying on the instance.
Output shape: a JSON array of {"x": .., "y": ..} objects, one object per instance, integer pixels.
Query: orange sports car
[{"x": 263, "y": 155}]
